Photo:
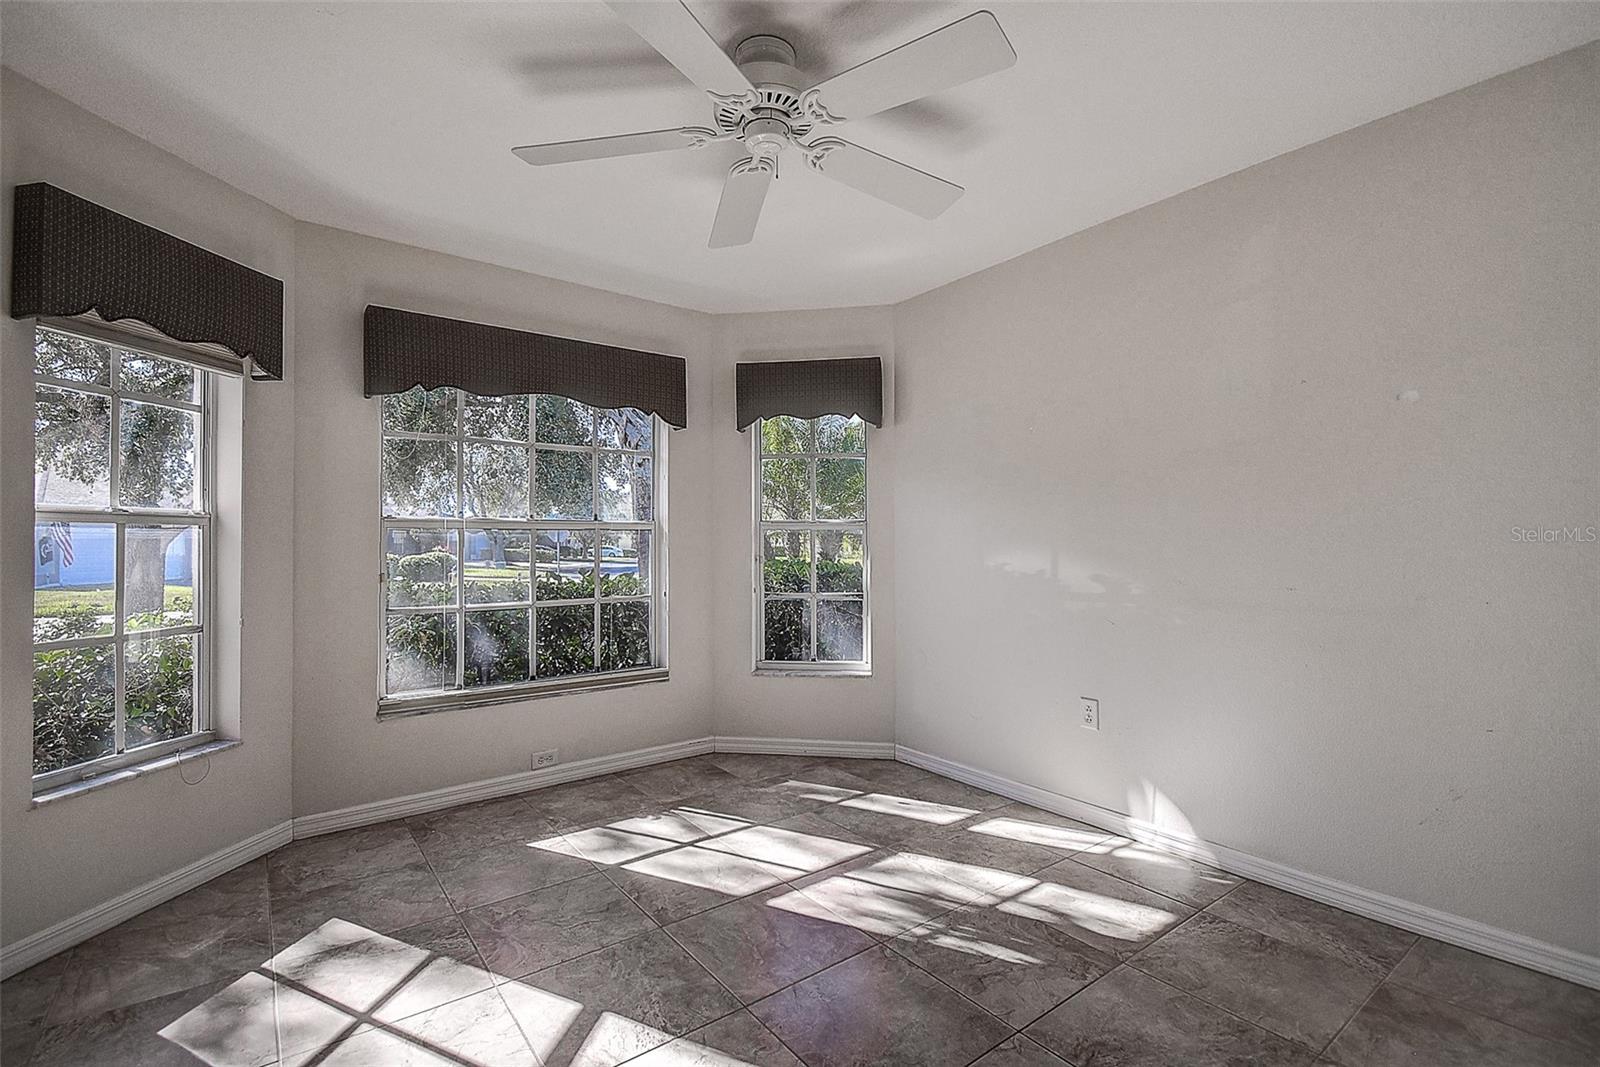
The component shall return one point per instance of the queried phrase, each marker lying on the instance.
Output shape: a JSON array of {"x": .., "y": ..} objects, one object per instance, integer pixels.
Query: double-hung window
[
  {"x": 523, "y": 547},
  {"x": 811, "y": 545},
  {"x": 121, "y": 555}
]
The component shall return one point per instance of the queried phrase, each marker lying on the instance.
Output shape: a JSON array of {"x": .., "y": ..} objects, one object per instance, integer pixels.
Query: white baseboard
[
  {"x": 327, "y": 822},
  {"x": 38, "y": 947},
  {"x": 1408, "y": 915},
  {"x": 787, "y": 746}
]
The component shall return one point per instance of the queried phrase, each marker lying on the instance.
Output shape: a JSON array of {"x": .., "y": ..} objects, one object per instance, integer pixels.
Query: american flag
[{"x": 61, "y": 534}]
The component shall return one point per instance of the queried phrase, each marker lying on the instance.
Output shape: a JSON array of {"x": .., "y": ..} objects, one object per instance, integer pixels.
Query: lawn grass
[{"x": 49, "y": 603}]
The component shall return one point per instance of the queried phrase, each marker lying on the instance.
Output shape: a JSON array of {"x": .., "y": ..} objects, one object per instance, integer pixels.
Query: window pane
[
  {"x": 419, "y": 478},
  {"x": 75, "y": 359},
  {"x": 839, "y": 630},
  {"x": 841, "y": 489},
  {"x": 421, "y": 565},
  {"x": 494, "y": 482},
  {"x": 74, "y": 579},
  {"x": 497, "y": 566},
  {"x": 786, "y": 562},
  {"x": 158, "y": 583},
  {"x": 72, "y": 448},
  {"x": 158, "y": 377},
  {"x": 161, "y": 689},
  {"x": 625, "y": 428},
  {"x": 74, "y": 706},
  {"x": 625, "y": 563},
  {"x": 839, "y": 562},
  {"x": 158, "y": 457},
  {"x": 565, "y": 487},
  {"x": 624, "y": 636},
  {"x": 625, "y": 488},
  {"x": 420, "y": 411},
  {"x": 566, "y": 640},
  {"x": 420, "y": 652},
  {"x": 835, "y": 433},
  {"x": 497, "y": 647},
  {"x": 502, "y": 417},
  {"x": 559, "y": 421},
  {"x": 565, "y": 564},
  {"x": 788, "y": 630},
  {"x": 786, "y": 489},
  {"x": 785, "y": 434}
]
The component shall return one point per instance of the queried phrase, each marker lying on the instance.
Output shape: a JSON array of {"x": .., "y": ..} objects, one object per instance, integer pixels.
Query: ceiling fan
[{"x": 758, "y": 101}]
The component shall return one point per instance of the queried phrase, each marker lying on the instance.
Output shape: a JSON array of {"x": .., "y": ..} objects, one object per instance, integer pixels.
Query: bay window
[{"x": 522, "y": 546}]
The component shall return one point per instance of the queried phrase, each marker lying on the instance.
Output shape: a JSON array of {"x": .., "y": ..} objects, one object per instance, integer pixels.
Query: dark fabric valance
[
  {"x": 70, "y": 256},
  {"x": 807, "y": 388},
  {"x": 405, "y": 348}
]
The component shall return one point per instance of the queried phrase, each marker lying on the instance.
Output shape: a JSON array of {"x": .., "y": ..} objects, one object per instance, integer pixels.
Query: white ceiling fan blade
[
  {"x": 627, "y": 144},
  {"x": 889, "y": 180},
  {"x": 740, "y": 207},
  {"x": 671, "y": 29},
  {"x": 966, "y": 49}
]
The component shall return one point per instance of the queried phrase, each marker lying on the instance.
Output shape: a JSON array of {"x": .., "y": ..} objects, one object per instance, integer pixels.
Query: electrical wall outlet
[
  {"x": 1089, "y": 713},
  {"x": 548, "y": 758}
]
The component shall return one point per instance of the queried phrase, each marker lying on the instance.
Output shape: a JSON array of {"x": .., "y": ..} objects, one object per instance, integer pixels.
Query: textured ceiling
[{"x": 396, "y": 120}]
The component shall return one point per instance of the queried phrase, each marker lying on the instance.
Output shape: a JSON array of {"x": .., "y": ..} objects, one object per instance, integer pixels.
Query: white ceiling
[{"x": 397, "y": 120}]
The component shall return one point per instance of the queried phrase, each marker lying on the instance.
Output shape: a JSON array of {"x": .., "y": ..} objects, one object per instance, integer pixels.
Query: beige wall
[
  {"x": 834, "y": 709},
  {"x": 65, "y": 857},
  {"x": 1163, "y": 463},
  {"x": 343, "y": 755}
]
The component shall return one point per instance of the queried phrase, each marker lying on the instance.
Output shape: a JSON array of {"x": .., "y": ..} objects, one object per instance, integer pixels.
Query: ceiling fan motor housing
[{"x": 774, "y": 117}]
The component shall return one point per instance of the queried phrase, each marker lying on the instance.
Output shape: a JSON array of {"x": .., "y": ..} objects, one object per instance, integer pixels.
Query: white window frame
[
  {"x": 122, "y": 518},
  {"x": 427, "y": 701},
  {"x": 861, "y": 668}
]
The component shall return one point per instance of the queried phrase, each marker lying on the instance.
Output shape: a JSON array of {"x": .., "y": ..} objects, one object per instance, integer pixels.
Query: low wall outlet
[
  {"x": 1089, "y": 713},
  {"x": 548, "y": 758}
]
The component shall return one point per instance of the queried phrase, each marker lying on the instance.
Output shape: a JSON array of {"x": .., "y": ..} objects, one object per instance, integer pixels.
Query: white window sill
[
  {"x": 402, "y": 707},
  {"x": 129, "y": 773},
  {"x": 812, "y": 672}
]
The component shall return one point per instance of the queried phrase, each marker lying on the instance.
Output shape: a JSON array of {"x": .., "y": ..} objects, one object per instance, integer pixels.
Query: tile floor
[{"x": 734, "y": 909}]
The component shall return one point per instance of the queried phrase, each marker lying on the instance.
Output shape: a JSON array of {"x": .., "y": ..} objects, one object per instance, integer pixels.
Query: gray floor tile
[
  {"x": 1297, "y": 992},
  {"x": 960, "y": 845},
  {"x": 678, "y": 779},
  {"x": 221, "y": 1024},
  {"x": 674, "y": 885},
  {"x": 26, "y": 996},
  {"x": 483, "y": 873},
  {"x": 17, "y": 1040},
  {"x": 1035, "y": 826},
  {"x": 800, "y": 852},
  {"x": 158, "y": 953},
  {"x": 1515, "y": 995},
  {"x": 1193, "y": 883},
  {"x": 591, "y": 802},
  {"x": 1401, "y": 1027},
  {"x": 914, "y": 1021},
  {"x": 472, "y": 1030},
  {"x": 904, "y": 780},
  {"x": 755, "y": 948},
  {"x": 1112, "y": 915},
  {"x": 1019, "y": 1051},
  {"x": 484, "y": 823},
  {"x": 1128, "y": 1019},
  {"x": 885, "y": 893},
  {"x": 538, "y": 929},
  {"x": 753, "y": 765},
  {"x": 1358, "y": 941},
  {"x": 884, "y": 820},
  {"x": 732, "y": 1040},
  {"x": 766, "y": 800},
  {"x": 338, "y": 857},
  {"x": 616, "y": 1003},
  {"x": 381, "y": 901},
  {"x": 1013, "y": 965}
]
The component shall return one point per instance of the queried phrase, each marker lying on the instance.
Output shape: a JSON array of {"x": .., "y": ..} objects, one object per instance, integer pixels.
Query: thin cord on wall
[{"x": 181, "y": 761}]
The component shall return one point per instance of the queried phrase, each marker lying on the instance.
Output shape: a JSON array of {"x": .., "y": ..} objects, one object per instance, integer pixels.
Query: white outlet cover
[{"x": 1089, "y": 713}]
